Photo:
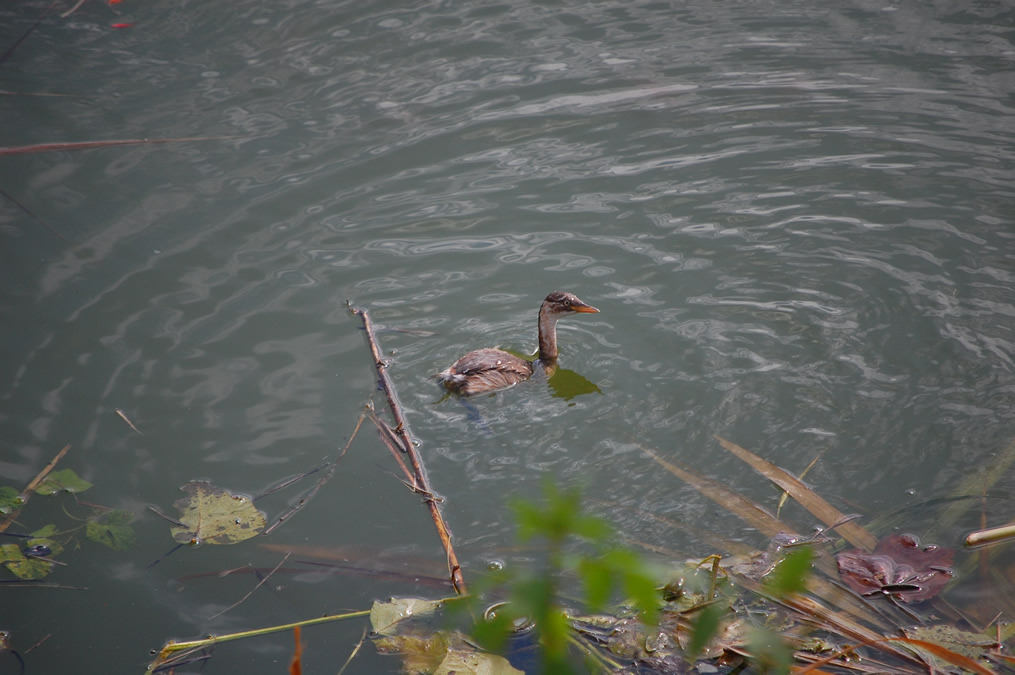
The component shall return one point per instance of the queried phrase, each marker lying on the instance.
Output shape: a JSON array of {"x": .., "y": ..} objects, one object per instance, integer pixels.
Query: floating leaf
[
  {"x": 807, "y": 498},
  {"x": 47, "y": 531},
  {"x": 704, "y": 628},
  {"x": 418, "y": 654},
  {"x": 475, "y": 663},
  {"x": 946, "y": 654},
  {"x": 212, "y": 515},
  {"x": 26, "y": 567},
  {"x": 385, "y": 616},
  {"x": 10, "y": 500},
  {"x": 64, "y": 480},
  {"x": 112, "y": 529},
  {"x": 971, "y": 645},
  {"x": 899, "y": 567},
  {"x": 790, "y": 575}
]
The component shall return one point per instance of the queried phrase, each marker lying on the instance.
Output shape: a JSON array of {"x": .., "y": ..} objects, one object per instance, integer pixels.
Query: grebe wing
[{"x": 486, "y": 370}]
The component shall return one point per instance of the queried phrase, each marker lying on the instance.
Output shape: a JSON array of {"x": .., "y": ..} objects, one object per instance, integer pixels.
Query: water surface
[{"x": 795, "y": 218}]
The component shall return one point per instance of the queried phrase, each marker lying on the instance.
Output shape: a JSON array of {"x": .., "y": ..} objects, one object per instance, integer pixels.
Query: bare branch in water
[
  {"x": 421, "y": 483},
  {"x": 317, "y": 486},
  {"x": 31, "y": 487},
  {"x": 251, "y": 591},
  {"x": 89, "y": 145},
  {"x": 7, "y": 54}
]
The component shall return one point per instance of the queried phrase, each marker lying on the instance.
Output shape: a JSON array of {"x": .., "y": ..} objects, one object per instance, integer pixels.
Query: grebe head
[{"x": 560, "y": 302}]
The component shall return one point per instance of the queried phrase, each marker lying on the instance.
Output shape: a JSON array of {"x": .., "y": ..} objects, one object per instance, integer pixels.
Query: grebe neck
[{"x": 547, "y": 335}]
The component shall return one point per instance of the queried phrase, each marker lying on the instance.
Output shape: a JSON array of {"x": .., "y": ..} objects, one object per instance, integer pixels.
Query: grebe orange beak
[{"x": 584, "y": 309}]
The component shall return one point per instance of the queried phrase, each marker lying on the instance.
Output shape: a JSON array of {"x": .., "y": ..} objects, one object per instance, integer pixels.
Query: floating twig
[
  {"x": 810, "y": 500},
  {"x": 260, "y": 583},
  {"x": 7, "y": 54},
  {"x": 171, "y": 647},
  {"x": 991, "y": 536},
  {"x": 330, "y": 471},
  {"x": 89, "y": 145},
  {"x": 289, "y": 481},
  {"x": 392, "y": 442},
  {"x": 35, "y": 217},
  {"x": 355, "y": 650},
  {"x": 803, "y": 474},
  {"x": 169, "y": 519},
  {"x": 401, "y": 430},
  {"x": 72, "y": 9},
  {"x": 124, "y": 417},
  {"x": 31, "y": 487}
]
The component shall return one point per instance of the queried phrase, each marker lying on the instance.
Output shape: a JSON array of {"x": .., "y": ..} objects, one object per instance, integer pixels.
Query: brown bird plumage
[{"x": 490, "y": 369}]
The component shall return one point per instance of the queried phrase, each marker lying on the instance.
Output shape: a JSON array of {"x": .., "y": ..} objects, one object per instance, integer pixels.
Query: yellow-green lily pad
[
  {"x": 64, "y": 480},
  {"x": 213, "y": 515},
  {"x": 27, "y": 567},
  {"x": 45, "y": 532},
  {"x": 418, "y": 654},
  {"x": 971, "y": 645},
  {"x": 112, "y": 528},
  {"x": 385, "y": 616},
  {"x": 10, "y": 500},
  {"x": 465, "y": 662}
]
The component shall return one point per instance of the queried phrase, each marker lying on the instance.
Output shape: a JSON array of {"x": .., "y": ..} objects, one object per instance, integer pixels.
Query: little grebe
[{"x": 490, "y": 369}]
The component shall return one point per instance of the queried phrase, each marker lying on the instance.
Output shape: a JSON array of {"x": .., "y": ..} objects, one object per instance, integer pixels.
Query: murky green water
[{"x": 795, "y": 218}]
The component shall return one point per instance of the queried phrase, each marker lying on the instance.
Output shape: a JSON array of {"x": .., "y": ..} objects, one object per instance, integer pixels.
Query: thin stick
[
  {"x": 72, "y": 9},
  {"x": 126, "y": 419},
  {"x": 35, "y": 217},
  {"x": 7, "y": 54},
  {"x": 89, "y": 145},
  {"x": 324, "y": 479},
  {"x": 172, "y": 647},
  {"x": 990, "y": 536},
  {"x": 251, "y": 592},
  {"x": 355, "y": 651},
  {"x": 401, "y": 430},
  {"x": 392, "y": 443},
  {"x": 31, "y": 486}
]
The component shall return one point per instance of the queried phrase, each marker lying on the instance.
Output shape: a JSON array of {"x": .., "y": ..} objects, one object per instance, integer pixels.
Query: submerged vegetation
[{"x": 846, "y": 598}]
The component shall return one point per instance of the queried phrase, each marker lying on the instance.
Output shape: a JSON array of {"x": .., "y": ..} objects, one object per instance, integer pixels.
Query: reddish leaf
[
  {"x": 898, "y": 567},
  {"x": 122, "y": 25}
]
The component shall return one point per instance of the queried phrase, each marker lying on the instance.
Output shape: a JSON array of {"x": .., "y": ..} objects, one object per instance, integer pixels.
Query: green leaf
[
  {"x": 64, "y": 480},
  {"x": 10, "y": 500},
  {"x": 556, "y": 521},
  {"x": 212, "y": 515},
  {"x": 112, "y": 529},
  {"x": 22, "y": 566},
  {"x": 533, "y": 597},
  {"x": 771, "y": 654},
  {"x": 971, "y": 645},
  {"x": 598, "y": 579},
  {"x": 492, "y": 632},
  {"x": 530, "y": 520},
  {"x": 385, "y": 616},
  {"x": 592, "y": 528},
  {"x": 643, "y": 590},
  {"x": 55, "y": 547},
  {"x": 704, "y": 628},
  {"x": 790, "y": 575},
  {"x": 47, "y": 531}
]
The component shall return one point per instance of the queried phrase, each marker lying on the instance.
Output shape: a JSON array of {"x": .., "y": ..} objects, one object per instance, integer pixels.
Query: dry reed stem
[
  {"x": 401, "y": 431},
  {"x": 34, "y": 484}
]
